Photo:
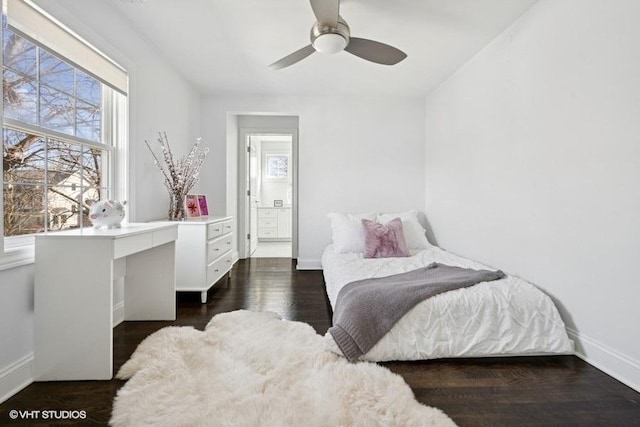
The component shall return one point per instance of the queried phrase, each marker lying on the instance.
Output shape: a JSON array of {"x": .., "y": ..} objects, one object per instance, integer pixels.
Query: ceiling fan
[{"x": 330, "y": 34}]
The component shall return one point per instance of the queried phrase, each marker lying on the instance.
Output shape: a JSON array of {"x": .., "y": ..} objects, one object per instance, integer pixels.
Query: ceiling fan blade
[
  {"x": 291, "y": 59},
  {"x": 326, "y": 11},
  {"x": 375, "y": 51}
]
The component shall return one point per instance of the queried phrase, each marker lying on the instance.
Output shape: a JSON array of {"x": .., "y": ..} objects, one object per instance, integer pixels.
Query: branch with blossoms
[{"x": 182, "y": 174}]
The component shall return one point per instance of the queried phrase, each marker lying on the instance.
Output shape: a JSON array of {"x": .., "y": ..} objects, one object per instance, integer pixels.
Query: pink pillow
[{"x": 384, "y": 241}]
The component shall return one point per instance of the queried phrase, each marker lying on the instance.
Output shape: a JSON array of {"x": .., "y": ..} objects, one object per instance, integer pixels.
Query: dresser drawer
[
  {"x": 218, "y": 268},
  {"x": 217, "y": 247},
  {"x": 267, "y": 233},
  {"x": 268, "y": 222},
  {"x": 227, "y": 227},
  {"x": 214, "y": 230},
  {"x": 267, "y": 213}
]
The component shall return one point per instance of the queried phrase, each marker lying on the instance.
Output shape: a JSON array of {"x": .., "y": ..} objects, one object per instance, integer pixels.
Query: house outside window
[{"x": 62, "y": 137}]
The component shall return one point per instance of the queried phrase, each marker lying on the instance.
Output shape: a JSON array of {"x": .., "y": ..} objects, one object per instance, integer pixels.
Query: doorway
[{"x": 267, "y": 199}]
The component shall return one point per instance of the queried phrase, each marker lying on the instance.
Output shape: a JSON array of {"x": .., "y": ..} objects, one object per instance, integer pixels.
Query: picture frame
[
  {"x": 202, "y": 203},
  {"x": 191, "y": 206},
  {"x": 278, "y": 203}
]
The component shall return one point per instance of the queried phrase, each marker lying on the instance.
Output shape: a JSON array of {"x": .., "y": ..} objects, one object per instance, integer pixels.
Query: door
[
  {"x": 251, "y": 184},
  {"x": 253, "y": 196},
  {"x": 251, "y": 189}
]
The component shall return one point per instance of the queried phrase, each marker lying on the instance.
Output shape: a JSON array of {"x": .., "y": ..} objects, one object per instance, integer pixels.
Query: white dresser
[
  {"x": 274, "y": 223},
  {"x": 203, "y": 253}
]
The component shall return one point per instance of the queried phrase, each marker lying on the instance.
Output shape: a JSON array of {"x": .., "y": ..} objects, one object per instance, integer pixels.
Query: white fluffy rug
[{"x": 254, "y": 369}]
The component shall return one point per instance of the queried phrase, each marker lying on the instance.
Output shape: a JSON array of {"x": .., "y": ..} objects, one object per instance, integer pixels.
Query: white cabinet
[
  {"x": 284, "y": 223},
  {"x": 274, "y": 223},
  {"x": 74, "y": 275},
  {"x": 203, "y": 253},
  {"x": 267, "y": 223}
]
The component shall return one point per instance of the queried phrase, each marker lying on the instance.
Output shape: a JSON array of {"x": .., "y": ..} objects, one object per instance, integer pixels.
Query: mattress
[{"x": 506, "y": 317}]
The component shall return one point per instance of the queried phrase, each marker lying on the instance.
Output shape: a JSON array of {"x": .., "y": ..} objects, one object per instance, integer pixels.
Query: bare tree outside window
[{"x": 46, "y": 178}]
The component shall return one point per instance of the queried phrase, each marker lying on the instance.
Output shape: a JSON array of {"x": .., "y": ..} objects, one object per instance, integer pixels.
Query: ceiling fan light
[{"x": 329, "y": 43}]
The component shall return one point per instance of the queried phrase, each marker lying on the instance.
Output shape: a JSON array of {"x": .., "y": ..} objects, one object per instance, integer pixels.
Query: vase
[{"x": 176, "y": 207}]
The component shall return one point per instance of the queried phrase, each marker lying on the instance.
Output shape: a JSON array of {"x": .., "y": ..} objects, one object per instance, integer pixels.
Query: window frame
[
  {"x": 15, "y": 242},
  {"x": 19, "y": 250}
]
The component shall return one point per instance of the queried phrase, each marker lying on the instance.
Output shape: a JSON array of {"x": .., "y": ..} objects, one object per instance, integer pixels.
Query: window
[
  {"x": 276, "y": 166},
  {"x": 53, "y": 156},
  {"x": 60, "y": 129}
]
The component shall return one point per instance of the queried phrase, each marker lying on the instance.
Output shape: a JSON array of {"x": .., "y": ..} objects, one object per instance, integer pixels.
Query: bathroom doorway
[{"x": 268, "y": 193}]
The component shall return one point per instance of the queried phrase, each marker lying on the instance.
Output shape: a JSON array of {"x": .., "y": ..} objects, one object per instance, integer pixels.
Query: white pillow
[
  {"x": 414, "y": 233},
  {"x": 347, "y": 231}
]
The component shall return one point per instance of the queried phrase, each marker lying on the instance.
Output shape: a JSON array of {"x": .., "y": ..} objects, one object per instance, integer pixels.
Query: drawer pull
[
  {"x": 216, "y": 270},
  {"x": 217, "y": 249},
  {"x": 228, "y": 243}
]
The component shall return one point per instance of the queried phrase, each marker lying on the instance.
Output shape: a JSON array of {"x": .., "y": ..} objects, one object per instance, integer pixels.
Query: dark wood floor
[{"x": 531, "y": 391}]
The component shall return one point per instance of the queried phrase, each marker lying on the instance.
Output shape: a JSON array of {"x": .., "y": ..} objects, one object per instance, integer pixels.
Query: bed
[{"x": 506, "y": 317}]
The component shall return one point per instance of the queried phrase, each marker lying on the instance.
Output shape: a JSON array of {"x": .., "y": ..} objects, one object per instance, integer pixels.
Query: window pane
[
  {"x": 88, "y": 88},
  {"x": 63, "y": 207},
  {"x": 19, "y": 97},
  {"x": 64, "y": 161},
  {"x": 19, "y": 54},
  {"x": 88, "y": 121},
  {"x": 46, "y": 181},
  {"x": 23, "y": 158},
  {"x": 56, "y": 73},
  {"x": 56, "y": 110},
  {"x": 93, "y": 167},
  {"x": 94, "y": 194},
  {"x": 277, "y": 166},
  {"x": 23, "y": 209}
]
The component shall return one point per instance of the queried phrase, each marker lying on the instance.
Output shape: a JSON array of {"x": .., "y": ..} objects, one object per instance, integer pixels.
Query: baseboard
[
  {"x": 15, "y": 377},
  {"x": 118, "y": 313},
  {"x": 621, "y": 367},
  {"x": 309, "y": 264}
]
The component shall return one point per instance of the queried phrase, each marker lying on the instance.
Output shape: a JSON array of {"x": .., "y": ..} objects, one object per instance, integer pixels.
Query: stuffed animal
[{"x": 106, "y": 213}]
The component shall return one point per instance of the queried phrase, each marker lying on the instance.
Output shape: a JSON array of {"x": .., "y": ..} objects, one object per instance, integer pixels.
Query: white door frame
[{"x": 243, "y": 209}]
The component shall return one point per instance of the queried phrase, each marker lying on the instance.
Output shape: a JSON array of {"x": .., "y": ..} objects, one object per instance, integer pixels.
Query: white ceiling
[{"x": 226, "y": 45}]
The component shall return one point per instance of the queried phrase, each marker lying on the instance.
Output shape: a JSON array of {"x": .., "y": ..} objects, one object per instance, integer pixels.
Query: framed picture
[
  {"x": 278, "y": 203},
  {"x": 276, "y": 166},
  {"x": 202, "y": 203},
  {"x": 191, "y": 206}
]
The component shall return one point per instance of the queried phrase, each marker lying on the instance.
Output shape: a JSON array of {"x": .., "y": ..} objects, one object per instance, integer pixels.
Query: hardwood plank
[{"x": 518, "y": 391}]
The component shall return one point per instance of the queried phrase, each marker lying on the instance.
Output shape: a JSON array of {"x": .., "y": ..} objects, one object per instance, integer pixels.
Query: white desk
[{"x": 74, "y": 274}]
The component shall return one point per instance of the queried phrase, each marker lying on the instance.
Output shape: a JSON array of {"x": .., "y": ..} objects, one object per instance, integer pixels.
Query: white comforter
[{"x": 504, "y": 317}]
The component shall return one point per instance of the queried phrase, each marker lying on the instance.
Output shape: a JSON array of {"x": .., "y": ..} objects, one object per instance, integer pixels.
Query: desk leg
[
  {"x": 150, "y": 284},
  {"x": 73, "y": 310}
]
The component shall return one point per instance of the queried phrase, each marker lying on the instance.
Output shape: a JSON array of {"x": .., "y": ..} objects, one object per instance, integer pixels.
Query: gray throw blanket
[{"x": 367, "y": 309}]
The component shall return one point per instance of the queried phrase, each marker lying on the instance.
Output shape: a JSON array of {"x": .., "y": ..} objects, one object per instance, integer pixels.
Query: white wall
[
  {"x": 273, "y": 189},
  {"x": 159, "y": 99},
  {"x": 533, "y": 165},
  {"x": 16, "y": 329},
  {"x": 355, "y": 154}
]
